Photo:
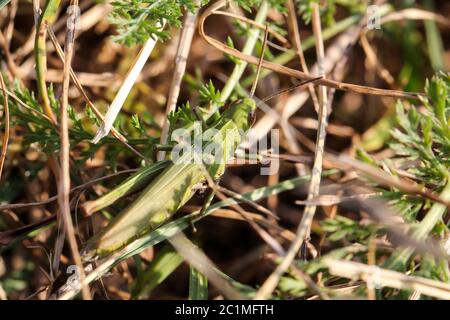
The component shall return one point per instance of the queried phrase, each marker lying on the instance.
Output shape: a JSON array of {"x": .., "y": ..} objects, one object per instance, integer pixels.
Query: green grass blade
[
  {"x": 434, "y": 40},
  {"x": 163, "y": 265},
  {"x": 198, "y": 285},
  {"x": 3, "y": 3}
]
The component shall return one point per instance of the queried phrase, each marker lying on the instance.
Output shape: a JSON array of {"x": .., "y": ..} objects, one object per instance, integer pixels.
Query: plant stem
[
  {"x": 64, "y": 181},
  {"x": 46, "y": 19}
]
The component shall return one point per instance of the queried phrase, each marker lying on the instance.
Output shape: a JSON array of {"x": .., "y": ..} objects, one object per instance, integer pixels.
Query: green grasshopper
[
  {"x": 173, "y": 187},
  {"x": 179, "y": 179}
]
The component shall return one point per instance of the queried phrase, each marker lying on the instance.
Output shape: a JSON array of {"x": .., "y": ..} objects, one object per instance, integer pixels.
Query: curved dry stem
[
  {"x": 291, "y": 72},
  {"x": 256, "y": 24}
]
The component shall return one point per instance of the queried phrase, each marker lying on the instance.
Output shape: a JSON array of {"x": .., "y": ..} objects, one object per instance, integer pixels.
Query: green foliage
[
  {"x": 136, "y": 21},
  {"x": 137, "y": 123},
  {"x": 249, "y": 4},
  {"x": 181, "y": 117},
  {"x": 341, "y": 227},
  {"x": 37, "y": 131},
  {"x": 421, "y": 142},
  {"x": 209, "y": 94},
  {"x": 425, "y": 137}
]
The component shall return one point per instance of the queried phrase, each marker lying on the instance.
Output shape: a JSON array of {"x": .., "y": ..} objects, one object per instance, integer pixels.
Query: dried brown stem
[
  {"x": 6, "y": 117},
  {"x": 64, "y": 181},
  {"x": 291, "y": 72}
]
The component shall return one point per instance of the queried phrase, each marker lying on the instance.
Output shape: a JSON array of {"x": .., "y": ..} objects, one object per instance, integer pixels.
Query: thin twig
[
  {"x": 410, "y": 14},
  {"x": 261, "y": 26},
  {"x": 292, "y": 20},
  {"x": 12, "y": 67},
  {"x": 255, "y": 205},
  {"x": 6, "y": 117},
  {"x": 64, "y": 183},
  {"x": 10, "y": 27},
  {"x": 258, "y": 70}
]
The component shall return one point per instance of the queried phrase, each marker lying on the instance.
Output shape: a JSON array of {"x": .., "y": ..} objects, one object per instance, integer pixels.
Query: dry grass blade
[
  {"x": 232, "y": 214},
  {"x": 5, "y": 139},
  {"x": 257, "y": 206},
  {"x": 91, "y": 105},
  {"x": 293, "y": 24},
  {"x": 416, "y": 14},
  {"x": 344, "y": 162},
  {"x": 12, "y": 67},
  {"x": 378, "y": 277},
  {"x": 291, "y": 72},
  {"x": 334, "y": 54},
  {"x": 180, "y": 67},
  {"x": 64, "y": 183},
  {"x": 273, "y": 243},
  {"x": 331, "y": 200},
  {"x": 12, "y": 15},
  {"x": 125, "y": 89}
]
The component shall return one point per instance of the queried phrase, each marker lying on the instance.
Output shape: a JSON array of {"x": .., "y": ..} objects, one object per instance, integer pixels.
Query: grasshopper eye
[
  {"x": 230, "y": 104},
  {"x": 251, "y": 117}
]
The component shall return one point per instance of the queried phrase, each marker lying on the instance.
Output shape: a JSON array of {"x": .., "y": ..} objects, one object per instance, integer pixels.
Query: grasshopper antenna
[
  {"x": 261, "y": 58},
  {"x": 294, "y": 87}
]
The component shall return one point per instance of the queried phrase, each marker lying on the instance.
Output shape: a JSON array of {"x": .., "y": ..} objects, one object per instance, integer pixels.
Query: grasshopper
[
  {"x": 177, "y": 181},
  {"x": 173, "y": 187}
]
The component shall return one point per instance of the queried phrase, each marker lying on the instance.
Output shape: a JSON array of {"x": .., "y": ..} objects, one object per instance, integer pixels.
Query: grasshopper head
[{"x": 241, "y": 112}]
